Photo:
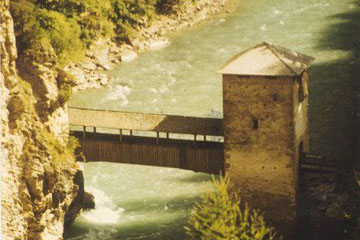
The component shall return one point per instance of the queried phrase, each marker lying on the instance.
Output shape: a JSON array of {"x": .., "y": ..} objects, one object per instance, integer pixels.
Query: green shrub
[
  {"x": 94, "y": 20},
  {"x": 66, "y": 7},
  {"x": 91, "y": 15},
  {"x": 66, "y": 27},
  {"x": 219, "y": 217},
  {"x": 21, "y": 11},
  {"x": 24, "y": 21},
  {"x": 168, "y": 6},
  {"x": 127, "y": 15},
  {"x": 36, "y": 27},
  {"x": 92, "y": 28},
  {"x": 63, "y": 154},
  {"x": 64, "y": 33},
  {"x": 65, "y": 93}
]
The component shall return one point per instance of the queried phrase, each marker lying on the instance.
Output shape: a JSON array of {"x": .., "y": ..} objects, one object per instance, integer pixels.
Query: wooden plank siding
[{"x": 207, "y": 157}]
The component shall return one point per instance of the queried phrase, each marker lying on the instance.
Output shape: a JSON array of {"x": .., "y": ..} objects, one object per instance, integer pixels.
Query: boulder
[
  {"x": 159, "y": 44},
  {"x": 128, "y": 55},
  {"x": 89, "y": 201},
  {"x": 83, "y": 200}
]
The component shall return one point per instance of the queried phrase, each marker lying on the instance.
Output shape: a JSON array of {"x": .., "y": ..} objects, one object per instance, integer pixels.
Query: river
[
  {"x": 137, "y": 202},
  {"x": 181, "y": 79}
]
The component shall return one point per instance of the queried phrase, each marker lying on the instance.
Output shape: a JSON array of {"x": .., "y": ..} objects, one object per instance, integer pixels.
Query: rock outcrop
[
  {"x": 83, "y": 200},
  {"x": 38, "y": 165}
]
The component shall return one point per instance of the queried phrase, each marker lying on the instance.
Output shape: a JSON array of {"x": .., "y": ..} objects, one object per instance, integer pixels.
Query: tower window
[{"x": 255, "y": 124}]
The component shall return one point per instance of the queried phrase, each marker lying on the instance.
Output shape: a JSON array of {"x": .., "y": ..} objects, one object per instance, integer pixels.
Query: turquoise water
[
  {"x": 181, "y": 79},
  {"x": 138, "y": 202}
]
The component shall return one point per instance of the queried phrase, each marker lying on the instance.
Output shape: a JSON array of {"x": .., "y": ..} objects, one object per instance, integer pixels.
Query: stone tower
[{"x": 266, "y": 127}]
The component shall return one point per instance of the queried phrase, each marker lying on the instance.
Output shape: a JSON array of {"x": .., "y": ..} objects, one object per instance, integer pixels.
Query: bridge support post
[
  {"x": 94, "y": 129},
  {"x": 131, "y": 132},
  {"x": 204, "y": 138},
  {"x": 84, "y": 131},
  {"x": 195, "y": 136},
  {"x": 167, "y": 135},
  {"x": 120, "y": 135},
  {"x": 157, "y": 137}
]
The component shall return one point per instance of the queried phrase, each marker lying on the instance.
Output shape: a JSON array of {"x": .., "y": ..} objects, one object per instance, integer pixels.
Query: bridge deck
[{"x": 146, "y": 122}]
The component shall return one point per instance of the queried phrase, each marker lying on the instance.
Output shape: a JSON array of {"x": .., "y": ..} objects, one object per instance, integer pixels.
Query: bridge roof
[
  {"x": 267, "y": 59},
  {"x": 145, "y": 122}
]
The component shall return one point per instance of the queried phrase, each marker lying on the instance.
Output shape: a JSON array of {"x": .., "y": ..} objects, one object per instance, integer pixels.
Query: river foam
[
  {"x": 105, "y": 212},
  {"x": 118, "y": 93}
]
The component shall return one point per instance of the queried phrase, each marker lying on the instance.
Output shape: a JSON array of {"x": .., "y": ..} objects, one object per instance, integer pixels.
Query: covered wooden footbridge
[{"x": 191, "y": 143}]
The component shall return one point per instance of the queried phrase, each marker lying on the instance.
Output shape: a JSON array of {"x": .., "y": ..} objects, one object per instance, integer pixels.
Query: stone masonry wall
[{"x": 261, "y": 161}]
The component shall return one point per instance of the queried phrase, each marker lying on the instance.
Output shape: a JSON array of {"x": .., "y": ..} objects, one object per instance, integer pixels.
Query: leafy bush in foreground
[{"x": 219, "y": 217}]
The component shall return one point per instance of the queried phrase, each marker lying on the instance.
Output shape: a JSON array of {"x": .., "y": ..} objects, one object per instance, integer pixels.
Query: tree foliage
[
  {"x": 40, "y": 31},
  {"x": 67, "y": 27},
  {"x": 168, "y": 6},
  {"x": 128, "y": 14},
  {"x": 219, "y": 217}
]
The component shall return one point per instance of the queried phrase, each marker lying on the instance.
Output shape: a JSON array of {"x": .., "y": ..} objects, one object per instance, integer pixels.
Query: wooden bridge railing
[{"x": 310, "y": 162}]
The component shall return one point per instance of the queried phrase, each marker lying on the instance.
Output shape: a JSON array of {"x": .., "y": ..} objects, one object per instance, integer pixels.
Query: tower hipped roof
[{"x": 267, "y": 59}]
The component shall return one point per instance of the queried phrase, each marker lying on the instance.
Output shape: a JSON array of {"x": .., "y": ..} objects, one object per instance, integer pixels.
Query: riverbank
[{"x": 104, "y": 54}]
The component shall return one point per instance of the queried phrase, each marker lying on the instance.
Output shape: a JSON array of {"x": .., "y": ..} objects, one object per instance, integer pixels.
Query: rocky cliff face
[{"x": 38, "y": 166}]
